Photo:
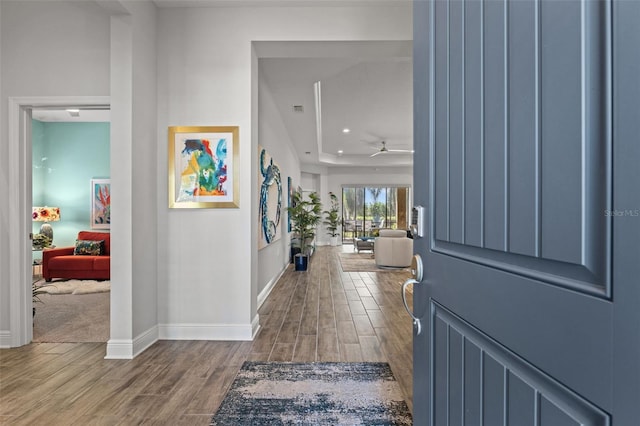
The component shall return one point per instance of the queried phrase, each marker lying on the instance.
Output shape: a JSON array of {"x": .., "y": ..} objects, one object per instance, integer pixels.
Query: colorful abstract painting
[
  {"x": 202, "y": 167},
  {"x": 100, "y": 204},
  {"x": 270, "y": 202}
]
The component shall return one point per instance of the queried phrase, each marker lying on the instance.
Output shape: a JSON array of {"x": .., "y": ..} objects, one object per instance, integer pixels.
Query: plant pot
[
  {"x": 334, "y": 241},
  {"x": 301, "y": 262},
  {"x": 294, "y": 252}
]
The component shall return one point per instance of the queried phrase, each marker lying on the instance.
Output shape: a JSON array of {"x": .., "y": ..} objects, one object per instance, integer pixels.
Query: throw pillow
[{"x": 89, "y": 247}]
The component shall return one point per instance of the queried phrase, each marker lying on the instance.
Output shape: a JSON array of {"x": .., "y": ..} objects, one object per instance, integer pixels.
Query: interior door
[{"x": 527, "y": 151}]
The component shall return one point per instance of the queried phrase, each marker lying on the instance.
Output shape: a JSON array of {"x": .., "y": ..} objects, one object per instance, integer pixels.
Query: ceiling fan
[{"x": 384, "y": 150}]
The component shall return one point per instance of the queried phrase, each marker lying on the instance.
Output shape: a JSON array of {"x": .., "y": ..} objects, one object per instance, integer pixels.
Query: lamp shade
[{"x": 46, "y": 214}]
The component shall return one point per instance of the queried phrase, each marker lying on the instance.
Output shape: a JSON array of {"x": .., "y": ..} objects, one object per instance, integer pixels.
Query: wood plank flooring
[{"x": 324, "y": 314}]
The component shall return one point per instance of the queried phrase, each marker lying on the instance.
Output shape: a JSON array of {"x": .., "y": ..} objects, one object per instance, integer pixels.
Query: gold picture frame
[{"x": 203, "y": 167}]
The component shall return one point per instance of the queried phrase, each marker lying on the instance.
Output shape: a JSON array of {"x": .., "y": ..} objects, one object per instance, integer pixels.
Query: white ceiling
[
  {"x": 367, "y": 87},
  {"x": 277, "y": 3}
]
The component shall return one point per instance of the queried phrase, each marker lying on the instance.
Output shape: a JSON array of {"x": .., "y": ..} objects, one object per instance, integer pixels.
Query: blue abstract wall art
[{"x": 270, "y": 202}]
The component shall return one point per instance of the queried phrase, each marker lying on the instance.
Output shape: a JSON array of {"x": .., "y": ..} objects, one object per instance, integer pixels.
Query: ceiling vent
[
  {"x": 73, "y": 112},
  {"x": 298, "y": 108}
]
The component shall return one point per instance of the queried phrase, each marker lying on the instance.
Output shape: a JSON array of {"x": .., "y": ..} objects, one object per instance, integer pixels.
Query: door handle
[
  {"x": 417, "y": 272},
  {"x": 417, "y": 325}
]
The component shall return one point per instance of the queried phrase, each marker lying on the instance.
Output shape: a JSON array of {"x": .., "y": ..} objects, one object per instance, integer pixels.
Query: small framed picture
[{"x": 100, "y": 204}]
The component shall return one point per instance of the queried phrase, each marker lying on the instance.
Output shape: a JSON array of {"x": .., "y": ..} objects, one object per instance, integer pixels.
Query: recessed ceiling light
[
  {"x": 340, "y": 151},
  {"x": 346, "y": 130}
]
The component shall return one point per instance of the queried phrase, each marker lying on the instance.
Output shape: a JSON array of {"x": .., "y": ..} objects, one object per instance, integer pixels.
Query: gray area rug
[
  {"x": 362, "y": 262},
  {"x": 313, "y": 394},
  {"x": 358, "y": 262}
]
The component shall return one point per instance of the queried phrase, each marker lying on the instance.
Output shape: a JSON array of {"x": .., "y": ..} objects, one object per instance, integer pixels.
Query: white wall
[
  {"x": 204, "y": 261},
  {"x": 310, "y": 182},
  {"x": 69, "y": 49},
  {"x": 273, "y": 136},
  {"x": 134, "y": 156},
  {"x": 205, "y": 78},
  {"x": 47, "y": 49},
  {"x": 5, "y": 321},
  {"x": 339, "y": 177},
  {"x": 145, "y": 144}
]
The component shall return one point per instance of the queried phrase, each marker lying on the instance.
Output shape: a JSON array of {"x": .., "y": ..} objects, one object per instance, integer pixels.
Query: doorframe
[{"x": 20, "y": 197}]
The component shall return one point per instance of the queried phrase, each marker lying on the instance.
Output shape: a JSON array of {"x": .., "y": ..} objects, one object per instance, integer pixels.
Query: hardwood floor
[{"x": 324, "y": 314}]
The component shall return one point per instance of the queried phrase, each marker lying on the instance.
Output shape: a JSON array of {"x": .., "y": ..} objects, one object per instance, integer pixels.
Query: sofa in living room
[{"x": 90, "y": 258}]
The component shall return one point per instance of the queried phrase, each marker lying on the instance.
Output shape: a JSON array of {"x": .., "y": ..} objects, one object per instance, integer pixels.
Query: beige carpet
[
  {"x": 66, "y": 318},
  {"x": 361, "y": 262}
]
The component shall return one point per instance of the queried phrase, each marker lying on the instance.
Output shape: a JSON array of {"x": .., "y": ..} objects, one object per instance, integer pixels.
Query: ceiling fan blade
[
  {"x": 401, "y": 150},
  {"x": 379, "y": 152}
]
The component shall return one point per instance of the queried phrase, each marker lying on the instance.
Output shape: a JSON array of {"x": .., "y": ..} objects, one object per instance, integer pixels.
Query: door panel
[
  {"x": 505, "y": 385},
  {"x": 522, "y": 161},
  {"x": 515, "y": 154},
  {"x": 544, "y": 124},
  {"x": 473, "y": 141}
]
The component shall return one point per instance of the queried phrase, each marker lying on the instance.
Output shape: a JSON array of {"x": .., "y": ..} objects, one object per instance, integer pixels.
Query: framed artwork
[
  {"x": 100, "y": 204},
  {"x": 203, "y": 167},
  {"x": 270, "y": 202}
]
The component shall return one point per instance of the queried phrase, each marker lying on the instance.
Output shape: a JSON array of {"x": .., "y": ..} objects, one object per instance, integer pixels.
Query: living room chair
[{"x": 393, "y": 248}]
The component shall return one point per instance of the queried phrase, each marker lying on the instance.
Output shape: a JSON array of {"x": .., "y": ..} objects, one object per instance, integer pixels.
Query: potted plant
[
  {"x": 332, "y": 219},
  {"x": 36, "y": 291},
  {"x": 40, "y": 241},
  {"x": 377, "y": 211},
  {"x": 305, "y": 215}
]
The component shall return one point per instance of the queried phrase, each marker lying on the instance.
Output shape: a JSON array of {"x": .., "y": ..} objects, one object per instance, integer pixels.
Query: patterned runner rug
[{"x": 313, "y": 394}]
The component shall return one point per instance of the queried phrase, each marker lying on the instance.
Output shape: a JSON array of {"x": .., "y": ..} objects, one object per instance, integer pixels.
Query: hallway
[
  {"x": 330, "y": 315},
  {"x": 321, "y": 315}
]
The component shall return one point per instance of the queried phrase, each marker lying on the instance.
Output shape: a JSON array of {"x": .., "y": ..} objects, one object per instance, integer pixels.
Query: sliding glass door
[{"x": 365, "y": 210}]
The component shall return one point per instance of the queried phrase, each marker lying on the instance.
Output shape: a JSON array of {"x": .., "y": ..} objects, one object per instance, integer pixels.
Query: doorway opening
[
  {"x": 71, "y": 194},
  {"x": 20, "y": 174}
]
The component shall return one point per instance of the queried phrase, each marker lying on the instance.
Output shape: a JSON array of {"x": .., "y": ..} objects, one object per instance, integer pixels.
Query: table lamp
[{"x": 46, "y": 215}]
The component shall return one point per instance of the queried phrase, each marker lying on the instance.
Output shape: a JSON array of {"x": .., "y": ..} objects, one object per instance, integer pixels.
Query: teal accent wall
[{"x": 66, "y": 156}]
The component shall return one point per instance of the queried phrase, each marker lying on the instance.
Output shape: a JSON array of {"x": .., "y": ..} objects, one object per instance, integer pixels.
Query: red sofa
[{"x": 62, "y": 263}]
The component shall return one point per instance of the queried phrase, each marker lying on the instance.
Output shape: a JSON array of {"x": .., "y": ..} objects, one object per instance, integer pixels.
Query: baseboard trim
[
  {"x": 144, "y": 340},
  {"x": 5, "y": 339},
  {"x": 267, "y": 289},
  {"x": 207, "y": 331},
  {"x": 119, "y": 349},
  {"x": 129, "y": 349},
  {"x": 255, "y": 326}
]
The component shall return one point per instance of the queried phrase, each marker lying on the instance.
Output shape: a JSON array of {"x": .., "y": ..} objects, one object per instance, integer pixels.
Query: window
[{"x": 367, "y": 209}]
